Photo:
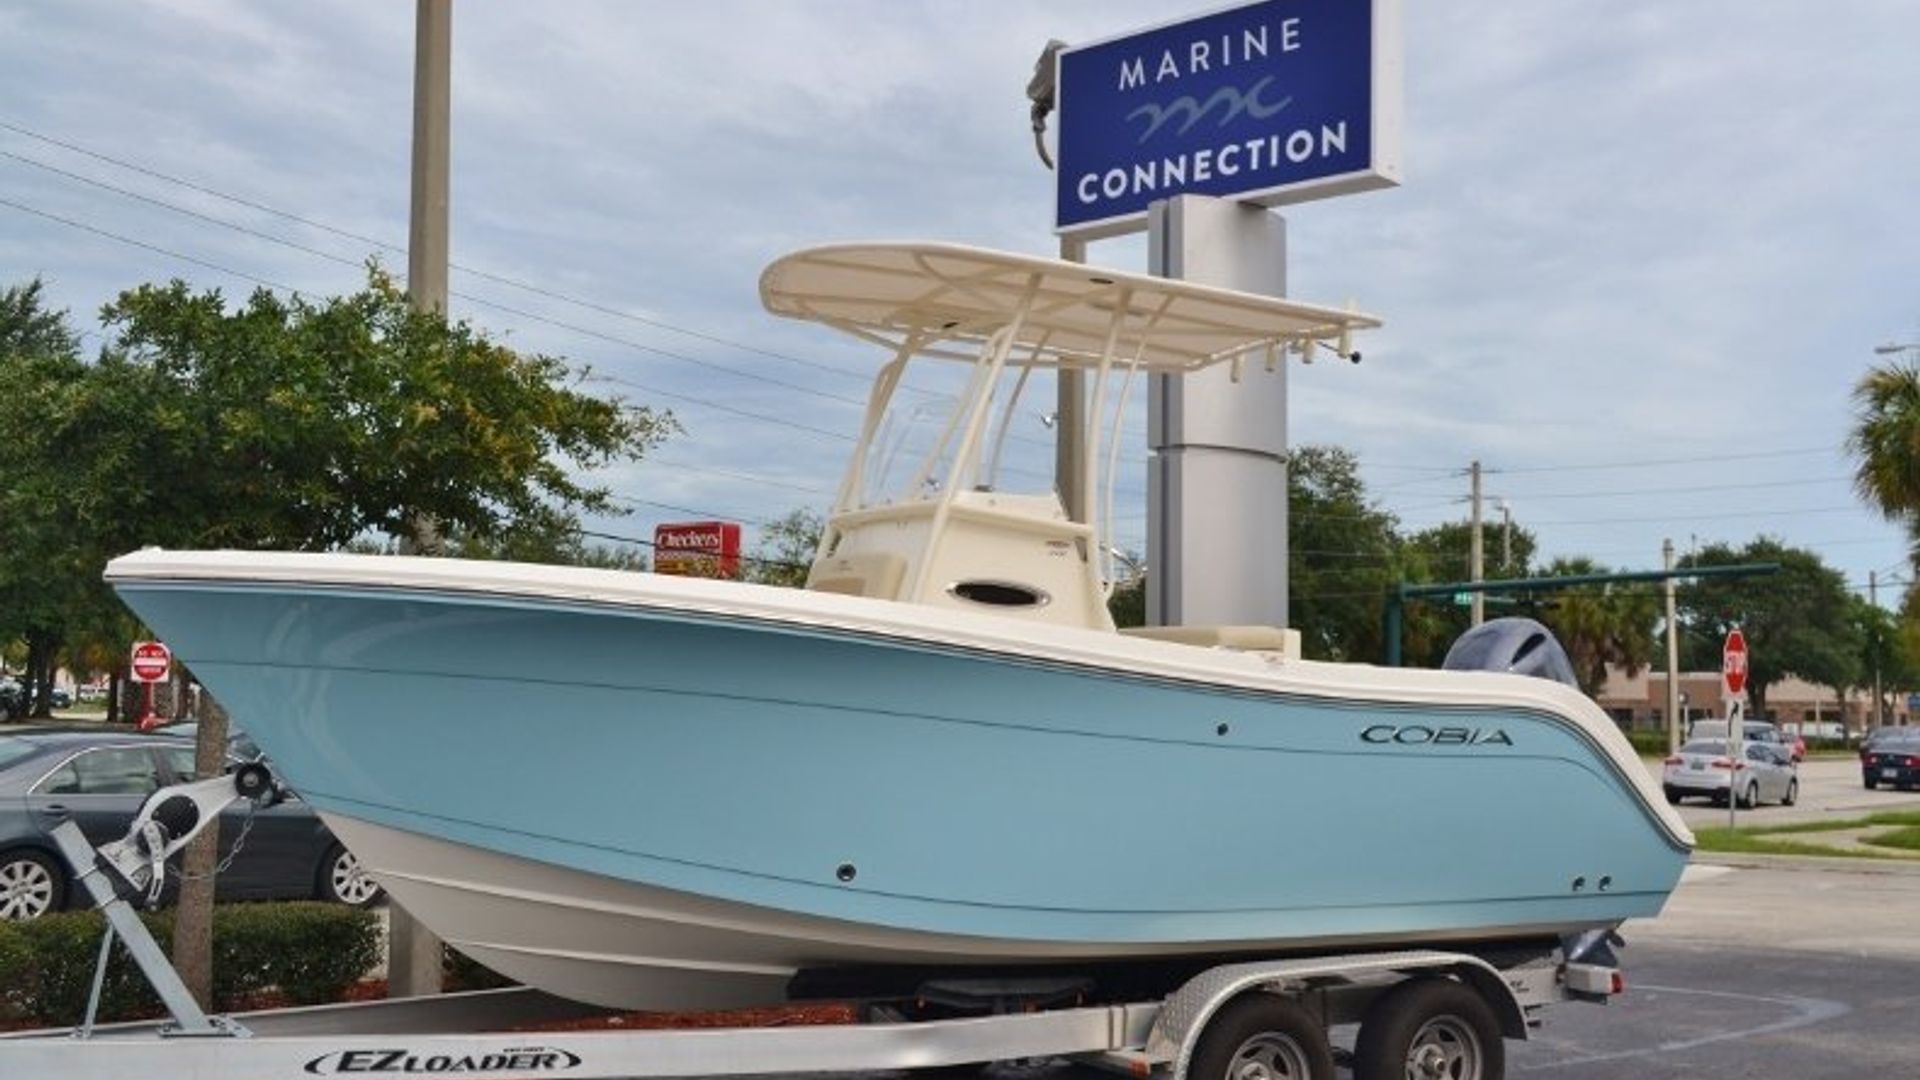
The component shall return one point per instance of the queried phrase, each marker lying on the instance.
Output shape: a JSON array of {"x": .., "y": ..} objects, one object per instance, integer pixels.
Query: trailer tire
[
  {"x": 1430, "y": 1028},
  {"x": 1262, "y": 1036}
]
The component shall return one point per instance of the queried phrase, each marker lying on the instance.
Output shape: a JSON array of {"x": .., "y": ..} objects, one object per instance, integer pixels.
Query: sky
[{"x": 1641, "y": 255}]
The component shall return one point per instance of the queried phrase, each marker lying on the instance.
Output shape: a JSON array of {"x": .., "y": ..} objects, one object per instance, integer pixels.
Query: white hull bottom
[{"x": 627, "y": 945}]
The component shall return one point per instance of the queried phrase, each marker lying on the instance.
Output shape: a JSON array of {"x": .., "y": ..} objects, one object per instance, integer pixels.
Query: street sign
[
  {"x": 151, "y": 662},
  {"x": 1279, "y": 101},
  {"x": 1465, "y": 599},
  {"x": 1733, "y": 663}
]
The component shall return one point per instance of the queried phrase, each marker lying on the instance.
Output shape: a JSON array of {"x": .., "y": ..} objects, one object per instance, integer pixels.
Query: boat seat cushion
[{"x": 1241, "y": 638}]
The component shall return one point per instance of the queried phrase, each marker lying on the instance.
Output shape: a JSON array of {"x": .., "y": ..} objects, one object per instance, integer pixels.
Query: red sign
[
  {"x": 1733, "y": 663},
  {"x": 151, "y": 661},
  {"x": 697, "y": 549}
]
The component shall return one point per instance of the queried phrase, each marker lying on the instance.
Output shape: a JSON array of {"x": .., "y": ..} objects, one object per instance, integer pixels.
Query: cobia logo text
[{"x": 1422, "y": 735}]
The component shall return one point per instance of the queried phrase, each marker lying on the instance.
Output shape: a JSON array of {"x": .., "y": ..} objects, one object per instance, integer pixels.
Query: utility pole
[
  {"x": 1476, "y": 572},
  {"x": 413, "y": 952},
  {"x": 1873, "y": 599},
  {"x": 1673, "y": 653},
  {"x": 1506, "y": 538},
  {"x": 432, "y": 104}
]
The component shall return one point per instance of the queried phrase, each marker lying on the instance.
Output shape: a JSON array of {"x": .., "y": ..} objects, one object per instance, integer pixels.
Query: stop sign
[
  {"x": 151, "y": 659},
  {"x": 1733, "y": 663}
]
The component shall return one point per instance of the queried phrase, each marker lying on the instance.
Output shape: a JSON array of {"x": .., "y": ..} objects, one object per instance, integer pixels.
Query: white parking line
[{"x": 1804, "y": 1012}]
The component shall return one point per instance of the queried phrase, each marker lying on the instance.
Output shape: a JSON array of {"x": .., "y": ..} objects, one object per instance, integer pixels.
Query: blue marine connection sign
[{"x": 1273, "y": 102}]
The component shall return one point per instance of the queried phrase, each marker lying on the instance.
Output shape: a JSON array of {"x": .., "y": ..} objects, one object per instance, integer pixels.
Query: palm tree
[
  {"x": 1601, "y": 625},
  {"x": 1886, "y": 439}
]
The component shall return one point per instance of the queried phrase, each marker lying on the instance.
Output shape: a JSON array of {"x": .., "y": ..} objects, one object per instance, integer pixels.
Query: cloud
[{"x": 1628, "y": 231}]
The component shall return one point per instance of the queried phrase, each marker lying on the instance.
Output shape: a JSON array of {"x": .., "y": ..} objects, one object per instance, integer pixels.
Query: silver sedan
[{"x": 1703, "y": 768}]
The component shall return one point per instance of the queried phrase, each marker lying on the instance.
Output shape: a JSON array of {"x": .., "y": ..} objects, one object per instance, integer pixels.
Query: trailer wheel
[
  {"x": 1430, "y": 1029},
  {"x": 1262, "y": 1036}
]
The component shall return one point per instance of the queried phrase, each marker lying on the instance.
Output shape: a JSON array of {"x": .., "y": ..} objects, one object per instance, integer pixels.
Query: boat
[{"x": 641, "y": 790}]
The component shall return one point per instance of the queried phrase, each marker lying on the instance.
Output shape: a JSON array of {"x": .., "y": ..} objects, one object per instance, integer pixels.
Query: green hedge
[
  {"x": 310, "y": 952},
  {"x": 458, "y": 971},
  {"x": 1648, "y": 742}
]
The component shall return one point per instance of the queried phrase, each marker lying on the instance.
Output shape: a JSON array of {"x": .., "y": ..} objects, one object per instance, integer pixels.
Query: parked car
[
  {"x": 1892, "y": 758},
  {"x": 1829, "y": 730},
  {"x": 240, "y": 745},
  {"x": 13, "y": 699},
  {"x": 99, "y": 778},
  {"x": 1875, "y": 736},
  {"x": 1703, "y": 768},
  {"x": 1753, "y": 731}
]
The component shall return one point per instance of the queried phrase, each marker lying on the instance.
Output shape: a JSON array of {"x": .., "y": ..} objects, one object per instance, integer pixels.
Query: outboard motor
[{"x": 1520, "y": 646}]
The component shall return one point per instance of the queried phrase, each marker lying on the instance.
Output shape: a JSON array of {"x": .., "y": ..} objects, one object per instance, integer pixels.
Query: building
[{"x": 1639, "y": 702}]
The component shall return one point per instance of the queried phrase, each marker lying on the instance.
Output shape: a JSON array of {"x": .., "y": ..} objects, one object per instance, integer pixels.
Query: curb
[{"x": 1810, "y": 863}]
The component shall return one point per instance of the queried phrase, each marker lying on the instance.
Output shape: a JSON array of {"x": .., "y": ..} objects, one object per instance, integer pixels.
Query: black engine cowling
[{"x": 1519, "y": 646}]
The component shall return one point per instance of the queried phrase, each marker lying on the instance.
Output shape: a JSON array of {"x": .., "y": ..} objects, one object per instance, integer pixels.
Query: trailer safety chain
[{"x": 240, "y": 841}]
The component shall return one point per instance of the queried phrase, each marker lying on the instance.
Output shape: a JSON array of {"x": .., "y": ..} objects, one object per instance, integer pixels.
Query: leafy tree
[
  {"x": 1343, "y": 556},
  {"x": 1127, "y": 603},
  {"x": 355, "y": 415},
  {"x": 1886, "y": 650},
  {"x": 279, "y": 424},
  {"x": 1442, "y": 553},
  {"x": 1795, "y": 621},
  {"x": 40, "y": 369},
  {"x": 784, "y": 553},
  {"x": 1600, "y": 625}
]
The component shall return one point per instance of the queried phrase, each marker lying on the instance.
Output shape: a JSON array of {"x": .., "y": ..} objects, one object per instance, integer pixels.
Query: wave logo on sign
[{"x": 1230, "y": 98}]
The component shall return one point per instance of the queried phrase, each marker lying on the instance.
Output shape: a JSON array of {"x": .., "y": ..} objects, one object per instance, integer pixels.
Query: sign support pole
[
  {"x": 1733, "y": 686},
  {"x": 1069, "y": 421},
  {"x": 1217, "y": 480},
  {"x": 1737, "y": 752}
]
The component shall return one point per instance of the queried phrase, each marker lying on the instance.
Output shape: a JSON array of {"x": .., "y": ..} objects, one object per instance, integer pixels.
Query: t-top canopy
[{"x": 948, "y": 299}]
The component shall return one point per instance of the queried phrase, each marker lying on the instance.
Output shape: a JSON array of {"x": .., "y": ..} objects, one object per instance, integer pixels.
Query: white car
[{"x": 1702, "y": 768}]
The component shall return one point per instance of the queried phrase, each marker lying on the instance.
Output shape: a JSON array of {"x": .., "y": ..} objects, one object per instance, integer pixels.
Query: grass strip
[
  {"x": 1896, "y": 818},
  {"x": 1904, "y": 839},
  {"x": 1746, "y": 842}
]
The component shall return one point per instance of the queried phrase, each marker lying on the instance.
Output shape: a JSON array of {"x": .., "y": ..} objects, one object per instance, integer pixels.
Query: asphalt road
[
  {"x": 1787, "y": 969},
  {"x": 1770, "y": 969}
]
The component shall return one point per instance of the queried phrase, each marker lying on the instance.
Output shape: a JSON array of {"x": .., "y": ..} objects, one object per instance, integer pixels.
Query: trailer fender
[{"x": 1188, "y": 1010}]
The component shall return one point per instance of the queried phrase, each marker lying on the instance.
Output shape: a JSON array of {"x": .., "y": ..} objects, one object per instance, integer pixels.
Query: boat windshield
[{"x": 914, "y": 454}]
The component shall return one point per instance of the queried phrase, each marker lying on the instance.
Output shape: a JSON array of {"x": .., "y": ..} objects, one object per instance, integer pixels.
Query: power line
[
  {"x": 331, "y": 257},
  {"x": 155, "y": 248},
  {"x": 1690, "y": 490},
  {"x": 528, "y": 287},
  {"x": 389, "y": 246},
  {"x": 1654, "y": 462}
]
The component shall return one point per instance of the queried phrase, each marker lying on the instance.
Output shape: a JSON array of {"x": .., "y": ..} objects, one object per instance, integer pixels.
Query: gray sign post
[{"x": 1217, "y": 480}]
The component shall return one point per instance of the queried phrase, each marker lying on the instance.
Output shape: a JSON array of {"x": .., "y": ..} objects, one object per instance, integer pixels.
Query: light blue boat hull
[{"x": 1033, "y": 809}]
